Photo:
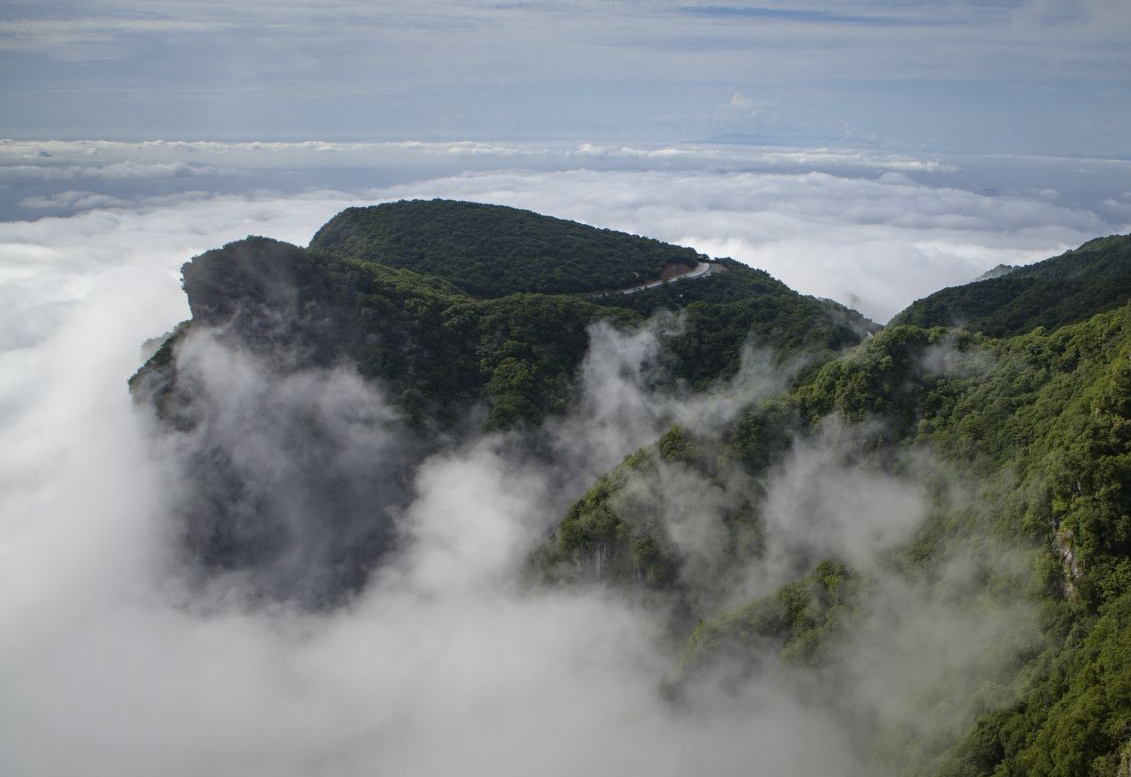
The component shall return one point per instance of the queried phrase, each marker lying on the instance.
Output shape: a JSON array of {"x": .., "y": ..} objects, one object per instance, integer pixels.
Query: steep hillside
[
  {"x": 1021, "y": 449},
  {"x": 1058, "y": 291}
]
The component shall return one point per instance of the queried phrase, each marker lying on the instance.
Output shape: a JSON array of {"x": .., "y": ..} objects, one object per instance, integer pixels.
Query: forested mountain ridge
[
  {"x": 493, "y": 250},
  {"x": 408, "y": 322},
  {"x": 450, "y": 365},
  {"x": 1064, "y": 289}
]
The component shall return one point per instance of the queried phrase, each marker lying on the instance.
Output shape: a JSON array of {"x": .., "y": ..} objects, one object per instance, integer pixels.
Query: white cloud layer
[
  {"x": 116, "y": 171},
  {"x": 52, "y": 159},
  {"x": 53, "y": 262}
]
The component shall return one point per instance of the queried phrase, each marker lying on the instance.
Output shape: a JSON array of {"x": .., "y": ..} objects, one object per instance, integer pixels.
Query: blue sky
[{"x": 1016, "y": 76}]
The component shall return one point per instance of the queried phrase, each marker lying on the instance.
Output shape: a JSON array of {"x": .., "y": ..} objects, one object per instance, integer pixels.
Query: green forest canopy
[{"x": 492, "y": 250}]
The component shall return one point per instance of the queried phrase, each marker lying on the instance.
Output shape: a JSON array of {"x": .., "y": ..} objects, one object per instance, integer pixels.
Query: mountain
[
  {"x": 403, "y": 318},
  {"x": 448, "y": 364},
  {"x": 921, "y": 533},
  {"x": 1065, "y": 289}
]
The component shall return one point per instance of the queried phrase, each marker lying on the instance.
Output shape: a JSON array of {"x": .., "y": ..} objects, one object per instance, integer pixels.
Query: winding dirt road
[{"x": 700, "y": 270}]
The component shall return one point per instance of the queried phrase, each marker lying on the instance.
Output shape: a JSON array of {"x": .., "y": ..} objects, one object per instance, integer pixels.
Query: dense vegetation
[
  {"x": 741, "y": 306},
  {"x": 492, "y": 250},
  {"x": 1040, "y": 422},
  {"x": 1065, "y": 289},
  {"x": 798, "y": 621}
]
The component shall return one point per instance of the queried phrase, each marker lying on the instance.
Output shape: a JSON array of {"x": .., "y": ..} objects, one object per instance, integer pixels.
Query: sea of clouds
[{"x": 110, "y": 664}]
